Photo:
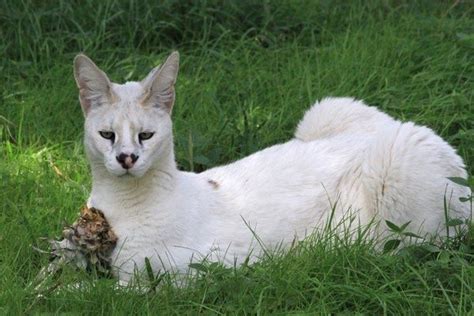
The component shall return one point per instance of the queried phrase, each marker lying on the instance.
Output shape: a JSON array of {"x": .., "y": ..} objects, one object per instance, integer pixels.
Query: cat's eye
[
  {"x": 107, "y": 135},
  {"x": 145, "y": 135}
]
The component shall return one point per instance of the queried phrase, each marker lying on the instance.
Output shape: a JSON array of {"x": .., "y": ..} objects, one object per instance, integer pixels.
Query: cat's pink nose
[{"x": 127, "y": 161}]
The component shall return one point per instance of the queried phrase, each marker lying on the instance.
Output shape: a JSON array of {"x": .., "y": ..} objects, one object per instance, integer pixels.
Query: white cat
[{"x": 343, "y": 151}]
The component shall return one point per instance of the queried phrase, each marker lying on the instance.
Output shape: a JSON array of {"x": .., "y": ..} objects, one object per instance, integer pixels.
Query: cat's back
[
  {"x": 293, "y": 160},
  {"x": 292, "y": 182}
]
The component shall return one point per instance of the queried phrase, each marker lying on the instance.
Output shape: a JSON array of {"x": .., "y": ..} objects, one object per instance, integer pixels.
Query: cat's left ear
[
  {"x": 160, "y": 82},
  {"x": 94, "y": 85}
]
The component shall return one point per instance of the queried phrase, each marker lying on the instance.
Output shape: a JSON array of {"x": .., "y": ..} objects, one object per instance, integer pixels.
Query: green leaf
[
  {"x": 402, "y": 228},
  {"x": 408, "y": 234},
  {"x": 393, "y": 227},
  {"x": 431, "y": 248},
  {"x": 157, "y": 281},
  {"x": 460, "y": 181},
  {"x": 465, "y": 199},
  {"x": 465, "y": 37},
  {"x": 149, "y": 270},
  {"x": 202, "y": 160},
  {"x": 444, "y": 257},
  {"x": 454, "y": 222},
  {"x": 391, "y": 245},
  {"x": 465, "y": 248},
  {"x": 198, "y": 266}
]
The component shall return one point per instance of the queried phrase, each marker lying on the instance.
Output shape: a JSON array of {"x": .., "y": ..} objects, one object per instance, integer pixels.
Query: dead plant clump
[{"x": 87, "y": 245}]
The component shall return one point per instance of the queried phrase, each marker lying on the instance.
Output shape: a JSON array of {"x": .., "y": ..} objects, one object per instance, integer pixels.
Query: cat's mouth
[
  {"x": 129, "y": 174},
  {"x": 119, "y": 172}
]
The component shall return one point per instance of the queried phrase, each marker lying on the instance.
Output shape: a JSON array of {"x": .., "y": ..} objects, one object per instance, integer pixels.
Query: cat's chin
[{"x": 126, "y": 174}]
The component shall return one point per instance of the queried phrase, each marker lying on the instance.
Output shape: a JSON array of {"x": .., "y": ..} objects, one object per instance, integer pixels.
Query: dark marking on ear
[{"x": 215, "y": 185}]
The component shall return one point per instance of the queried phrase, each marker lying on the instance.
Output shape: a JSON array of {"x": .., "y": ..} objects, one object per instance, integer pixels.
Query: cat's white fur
[{"x": 344, "y": 151}]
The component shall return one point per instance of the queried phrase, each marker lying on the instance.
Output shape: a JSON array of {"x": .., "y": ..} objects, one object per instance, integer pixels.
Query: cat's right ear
[
  {"x": 94, "y": 86},
  {"x": 160, "y": 82}
]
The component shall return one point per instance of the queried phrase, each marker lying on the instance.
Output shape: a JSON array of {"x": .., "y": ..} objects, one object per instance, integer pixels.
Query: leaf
[
  {"x": 465, "y": 248},
  {"x": 454, "y": 222},
  {"x": 202, "y": 160},
  {"x": 402, "y": 228},
  {"x": 393, "y": 227},
  {"x": 460, "y": 181},
  {"x": 465, "y": 199},
  {"x": 199, "y": 267},
  {"x": 409, "y": 234},
  {"x": 444, "y": 257},
  {"x": 157, "y": 281},
  {"x": 93, "y": 259},
  {"x": 149, "y": 270},
  {"x": 430, "y": 248},
  {"x": 465, "y": 37},
  {"x": 391, "y": 245}
]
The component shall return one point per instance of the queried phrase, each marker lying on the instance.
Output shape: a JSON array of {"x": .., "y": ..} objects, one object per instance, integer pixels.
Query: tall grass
[{"x": 249, "y": 70}]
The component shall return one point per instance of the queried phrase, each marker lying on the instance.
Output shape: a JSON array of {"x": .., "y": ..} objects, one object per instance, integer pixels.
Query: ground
[{"x": 249, "y": 70}]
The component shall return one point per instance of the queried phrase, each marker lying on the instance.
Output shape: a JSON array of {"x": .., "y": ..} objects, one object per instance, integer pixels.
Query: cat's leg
[
  {"x": 333, "y": 116},
  {"x": 405, "y": 179}
]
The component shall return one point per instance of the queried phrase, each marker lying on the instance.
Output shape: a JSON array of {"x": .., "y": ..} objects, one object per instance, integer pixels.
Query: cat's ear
[
  {"x": 94, "y": 86},
  {"x": 147, "y": 81},
  {"x": 159, "y": 84}
]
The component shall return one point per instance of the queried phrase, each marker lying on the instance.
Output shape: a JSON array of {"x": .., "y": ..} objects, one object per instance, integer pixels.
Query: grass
[{"x": 249, "y": 70}]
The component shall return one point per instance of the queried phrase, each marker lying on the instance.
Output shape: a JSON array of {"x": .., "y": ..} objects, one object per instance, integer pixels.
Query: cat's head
[{"x": 127, "y": 126}]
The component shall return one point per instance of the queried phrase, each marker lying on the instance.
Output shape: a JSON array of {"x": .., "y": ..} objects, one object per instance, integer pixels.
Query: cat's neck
[{"x": 116, "y": 195}]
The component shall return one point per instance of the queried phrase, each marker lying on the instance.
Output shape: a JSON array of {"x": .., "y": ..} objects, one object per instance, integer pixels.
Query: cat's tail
[
  {"x": 333, "y": 116},
  {"x": 405, "y": 172}
]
